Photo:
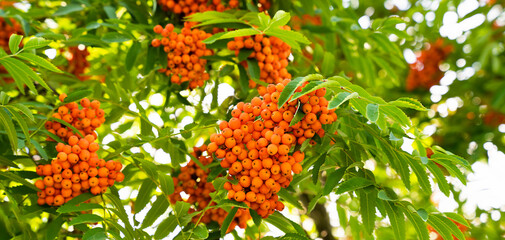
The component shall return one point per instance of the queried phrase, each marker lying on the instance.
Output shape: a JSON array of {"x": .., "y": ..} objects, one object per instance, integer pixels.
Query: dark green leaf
[
  {"x": 112, "y": 37},
  {"x": 11, "y": 175},
  {"x": 317, "y": 166},
  {"x": 353, "y": 184},
  {"x": 367, "y": 202},
  {"x": 158, "y": 208},
  {"x": 166, "y": 184},
  {"x": 253, "y": 68},
  {"x": 288, "y": 197},
  {"x": 85, "y": 218},
  {"x": 341, "y": 97},
  {"x": 8, "y": 126},
  {"x": 77, "y": 95},
  {"x": 144, "y": 194},
  {"x": 256, "y": 217},
  {"x": 166, "y": 226},
  {"x": 69, "y": 8},
  {"x": 95, "y": 234},
  {"x": 54, "y": 228},
  {"x": 132, "y": 54},
  {"x": 396, "y": 219},
  {"x": 227, "y": 221},
  {"x": 332, "y": 180},
  {"x": 288, "y": 91},
  {"x": 419, "y": 224}
]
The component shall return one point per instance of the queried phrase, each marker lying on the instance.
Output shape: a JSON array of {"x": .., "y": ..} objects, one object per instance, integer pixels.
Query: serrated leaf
[
  {"x": 253, "y": 69},
  {"x": 316, "y": 167},
  {"x": 9, "y": 128},
  {"x": 115, "y": 37},
  {"x": 225, "y": 70},
  {"x": 144, "y": 194},
  {"x": 201, "y": 231},
  {"x": 38, "y": 61},
  {"x": 341, "y": 98},
  {"x": 445, "y": 227},
  {"x": 16, "y": 178},
  {"x": 166, "y": 184},
  {"x": 418, "y": 223},
  {"x": 85, "y": 218},
  {"x": 14, "y": 42},
  {"x": 367, "y": 202},
  {"x": 21, "y": 122},
  {"x": 456, "y": 217},
  {"x": 298, "y": 116},
  {"x": 284, "y": 224},
  {"x": 227, "y": 221},
  {"x": 384, "y": 196},
  {"x": 158, "y": 208},
  {"x": 69, "y": 8},
  {"x": 332, "y": 180},
  {"x": 77, "y": 95},
  {"x": 36, "y": 43},
  {"x": 280, "y": 18},
  {"x": 439, "y": 176},
  {"x": 396, "y": 219},
  {"x": 166, "y": 226},
  {"x": 288, "y": 197},
  {"x": 54, "y": 228},
  {"x": 78, "y": 208},
  {"x": 288, "y": 90},
  {"x": 132, "y": 54},
  {"x": 239, "y": 33},
  {"x": 75, "y": 130},
  {"x": 353, "y": 184},
  {"x": 95, "y": 234},
  {"x": 409, "y": 103},
  {"x": 420, "y": 171},
  {"x": 256, "y": 217},
  {"x": 17, "y": 70}
]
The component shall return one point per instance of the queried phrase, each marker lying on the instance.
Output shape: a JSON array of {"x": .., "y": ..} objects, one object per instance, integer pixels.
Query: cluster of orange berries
[
  {"x": 75, "y": 170},
  {"x": 6, "y": 3},
  {"x": 192, "y": 180},
  {"x": 188, "y": 7},
  {"x": 255, "y": 145},
  {"x": 425, "y": 72},
  {"x": 86, "y": 119},
  {"x": 7, "y": 28},
  {"x": 77, "y": 62},
  {"x": 270, "y": 52},
  {"x": 183, "y": 53}
]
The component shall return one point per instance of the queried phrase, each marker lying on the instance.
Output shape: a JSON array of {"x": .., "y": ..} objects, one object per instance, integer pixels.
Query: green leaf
[
  {"x": 256, "y": 217},
  {"x": 132, "y": 54},
  {"x": 290, "y": 198},
  {"x": 367, "y": 202},
  {"x": 353, "y": 184},
  {"x": 112, "y": 37},
  {"x": 21, "y": 122},
  {"x": 227, "y": 221},
  {"x": 69, "y": 8},
  {"x": 77, "y": 95},
  {"x": 75, "y": 130},
  {"x": 9, "y": 128},
  {"x": 288, "y": 90},
  {"x": 19, "y": 71},
  {"x": 294, "y": 236},
  {"x": 201, "y": 231},
  {"x": 36, "y": 43},
  {"x": 292, "y": 38},
  {"x": 144, "y": 194},
  {"x": 372, "y": 112},
  {"x": 407, "y": 102},
  {"x": 284, "y": 224},
  {"x": 166, "y": 226},
  {"x": 79, "y": 199},
  {"x": 341, "y": 97},
  {"x": 181, "y": 213},
  {"x": 396, "y": 219},
  {"x": 317, "y": 166},
  {"x": 120, "y": 212},
  {"x": 439, "y": 175},
  {"x": 54, "y": 228},
  {"x": 332, "y": 180},
  {"x": 95, "y": 234},
  {"x": 396, "y": 114},
  {"x": 226, "y": 70},
  {"x": 158, "y": 208},
  {"x": 456, "y": 217},
  {"x": 298, "y": 116},
  {"x": 445, "y": 227},
  {"x": 166, "y": 184},
  {"x": 14, "y": 42},
  {"x": 85, "y": 218},
  {"x": 418, "y": 223},
  {"x": 253, "y": 69},
  {"x": 81, "y": 207},
  {"x": 422, "y": 176},
  {"x": 384, "y": 196},
  {"x": 239, "y": 33},
  {"x": 231, "y": 203},
  {"x": 280, "y": 18},
  {"x": 39, "y": 61}
]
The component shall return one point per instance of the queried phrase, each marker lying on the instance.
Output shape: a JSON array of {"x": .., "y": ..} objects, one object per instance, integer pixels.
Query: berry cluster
[
  {"x": 75, "y": 170},
  {"x": 86, "y": 119},
  {"x": 183, "y": 53},
  {"x": 425, "y": 72},
  {"x": 77, "y": 63},
  {"x": 255, "y": 145},
  {"x": 270, "y": 52},
  {"x": 192, "y": 180},
  {"x": 7, "y": 28},
  {"x": 6, "y": 3},
  {"x": 188, "y": 7}
]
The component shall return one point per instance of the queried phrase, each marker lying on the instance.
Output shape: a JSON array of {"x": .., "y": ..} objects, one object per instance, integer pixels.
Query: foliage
[{"x": 162, "y": 126}]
